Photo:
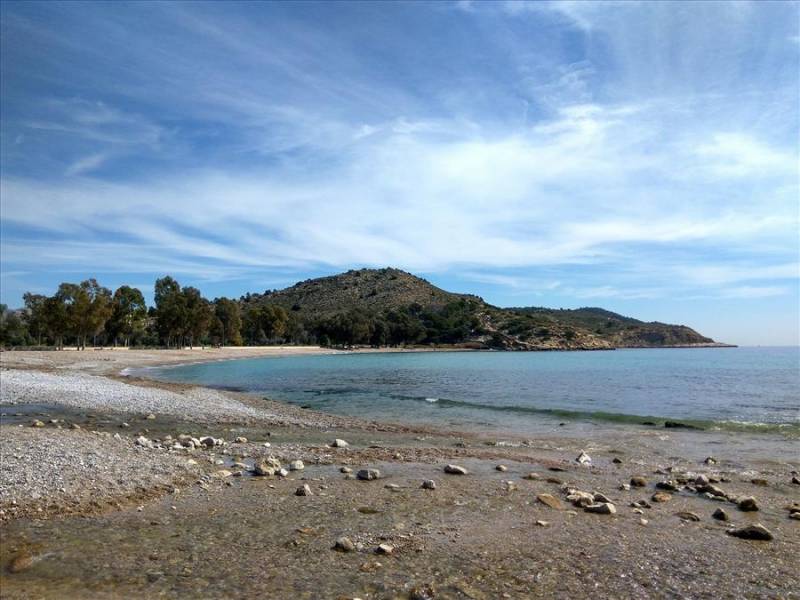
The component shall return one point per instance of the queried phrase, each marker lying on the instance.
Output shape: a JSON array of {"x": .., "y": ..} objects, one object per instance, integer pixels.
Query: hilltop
[{"x": 390, "y": 306}]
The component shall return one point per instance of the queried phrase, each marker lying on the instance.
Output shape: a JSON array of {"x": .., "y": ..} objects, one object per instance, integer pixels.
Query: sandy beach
[{"x": 118, "y": 487}]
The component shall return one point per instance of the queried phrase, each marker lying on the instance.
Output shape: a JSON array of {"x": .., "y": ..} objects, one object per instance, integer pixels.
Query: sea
[{"x": 710, "y": 389}]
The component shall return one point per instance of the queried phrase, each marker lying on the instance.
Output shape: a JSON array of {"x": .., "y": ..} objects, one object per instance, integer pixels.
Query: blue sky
[{"x": 642, "y": 157}]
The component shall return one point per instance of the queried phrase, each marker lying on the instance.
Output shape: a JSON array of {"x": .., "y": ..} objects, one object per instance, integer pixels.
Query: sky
[{"x": 639, "y": 156}]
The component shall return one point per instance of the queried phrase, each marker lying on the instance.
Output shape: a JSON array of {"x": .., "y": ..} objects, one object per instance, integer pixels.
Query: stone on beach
[
  {"x": 550, "y": 500},
  {"x": 638, "y": 481},
  {"x": 752, "y": 532},
  {"x": 296, "y": 465},
  {"x": 345, "y": 470},
  {"x": 601, "y": 508},
  {"x": 263, "y": 470},
  {"x": 687, "y": 516},
  {"x": 583, "y": 459},
  {"x": 339, "y": 443},
  {"x": 384, "y": 549},
  {"x": 428, "y": 484},
  {"x": 368, "y": 474},
  {"x": 455, "y": 470},
  {"x": 748, "y": 504},
  {"x": 344, "y": 544},
  {"x": 501, "y": 468},
  {"x": 661, "y": 497},
  {"x": 304, "y": 490},
  {"x": 37, "y": 423},
  {"x": 720, "y": 515}
]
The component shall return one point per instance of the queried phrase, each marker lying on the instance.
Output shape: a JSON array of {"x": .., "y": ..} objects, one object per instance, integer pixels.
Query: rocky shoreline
[{"x": 197, "y": 491}]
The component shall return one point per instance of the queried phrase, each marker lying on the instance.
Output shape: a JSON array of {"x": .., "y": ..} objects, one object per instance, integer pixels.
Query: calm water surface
[{"x": 750, "y": 389}]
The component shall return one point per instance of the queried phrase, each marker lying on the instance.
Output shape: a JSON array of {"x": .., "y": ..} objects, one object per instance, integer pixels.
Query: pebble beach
[{"x": 116, "y": 487}]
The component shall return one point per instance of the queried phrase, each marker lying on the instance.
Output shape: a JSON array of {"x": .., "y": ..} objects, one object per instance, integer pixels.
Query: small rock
[
  {"x": 384, "y": 549},
  {"x": 282, "y": 472},
  {"x": 687, "y": 516},
  {"x": 710, "y": 460},
  {"x": 392, "y": 486},
  {"x": 151, "y": 417},
  {"x": 344, "y": 544},
  {"x": 296, "y": 465},
  {"x": 580, "y": 499},
  {"x": 263, "y": 470},
  {"x": 795, "y": 480},
  {"x": 21, "y": 562},
  {"x": 368, "y": 474},
  {"x": 304, "y": 490},
  {"x": 795, "y": 516},
  {"x": 550, "y": 500},
  {"x": 37, "y": 423},
  {"x": 532, "y": 476},
  {"x": 748, "y": 504},
  {"x": 455, "y": 470},
  {"x": 643, "y": 522},
  {"x": 345, "y": 470},
  {"x": 701, "y": 481},
  {"x": 601, "y": 508},
  {"x": 720, "y": 515},
  {"x": 616, "y": 461},
  {"x": 638, "y": 482},
  {"x": 543, "y": 523},
  {"x": 74, "y": 426},
  {"x": 598, "y": 497},
  {"x": 625, "y": 487},
  {"x": 669, "y": 486},
  {"x": 583, "y": 459},
  {"x": 759, "y": 481},
  {"x": 223, "y": 473},
  {"x": 501, "y": 468},
  {"x": 752, "y": 532},
  {"x": 661, "y": 497},
  {"x": 143, "y": 442},
  {"x": 240, "y": 440},
  {"x": 339, "y": 443},
  {"x": 429, "y": 484}
]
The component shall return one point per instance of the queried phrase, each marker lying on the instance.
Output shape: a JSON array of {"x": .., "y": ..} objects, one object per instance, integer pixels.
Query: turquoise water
[{"x": 755, "y": 389}]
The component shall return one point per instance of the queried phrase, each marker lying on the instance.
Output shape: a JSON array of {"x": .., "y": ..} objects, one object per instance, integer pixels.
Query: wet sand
[{"x": 475, "y": 536}]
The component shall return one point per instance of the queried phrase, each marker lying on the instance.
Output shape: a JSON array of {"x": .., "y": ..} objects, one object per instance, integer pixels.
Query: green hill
[{"x": 390, "y": 306}]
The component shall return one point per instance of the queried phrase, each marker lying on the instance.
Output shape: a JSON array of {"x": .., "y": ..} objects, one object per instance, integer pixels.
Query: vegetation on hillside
[{"x": 370, "y": 307}]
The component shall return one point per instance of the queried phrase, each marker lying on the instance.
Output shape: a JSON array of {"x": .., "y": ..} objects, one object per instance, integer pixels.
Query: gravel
[
  {"x": 80, "y": 390},
  {"x": 66, "y": 470}
]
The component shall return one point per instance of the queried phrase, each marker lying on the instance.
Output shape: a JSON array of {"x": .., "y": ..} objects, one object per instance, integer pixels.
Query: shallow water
[{"x": 747, "y": 389}]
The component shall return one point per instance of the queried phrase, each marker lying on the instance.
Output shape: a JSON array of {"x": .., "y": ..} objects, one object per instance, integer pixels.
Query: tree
[
  {"x": 88, "y": 307},
  {"x": 198, "y": 315},
  {"x": 12, "y": 328},
  {"x": 226, "y": 327},
  {"x": 54, "y": 315},
  {"x": 170, "y": 310},
  {"x": 35, "y": 315},
  {"x": 128, "y": 314}
]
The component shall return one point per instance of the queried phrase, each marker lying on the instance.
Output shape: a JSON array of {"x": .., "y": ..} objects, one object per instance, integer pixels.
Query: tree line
[{"x": 86, "y": 313}]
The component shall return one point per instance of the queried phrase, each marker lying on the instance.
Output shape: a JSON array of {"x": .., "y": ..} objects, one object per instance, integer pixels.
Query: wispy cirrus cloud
[{"x": 615, "y": 151}]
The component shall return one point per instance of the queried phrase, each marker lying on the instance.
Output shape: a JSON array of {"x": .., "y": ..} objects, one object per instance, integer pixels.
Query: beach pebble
[
  {"x": 616, "y": 461},
  {"x": 344, "y": 544},
  {"x": 304, "y": 490},
  {"x": 661, "y": 497},
  {"x": 296, "y": 465},
  {"x": 687, "y": 516},
  {"x": 368, "y": 474},
  {"x": 710, "y": 460},
  {"x": 339, "y": 443},
  {"x": 701, "y": 481},
  {"x": 748, "y": 504},
  {"x": 345, "y": 470},
  {"x": 37, "y": 423},
  {"x": 532, "y": 476},
  {"x": 151, "y": 417},
  {"x": 21, "y": 563},
  {"x": 669, "y": 486},
  {"x": 601, "y": 508},
  {"x": 501, "y": 468},
  {"x": 580, "y": 499},
  {"x": 273, "y": 462},
  {"x": 752, "y": 532},
  {"x": 598, "y": 497},
  {"x": 638, "y": 481},
  {"x": 428, "y": 484},
  {"x": 282, "y": 472},
  {"x": 455, "y": 470},
  {"x": 384, "y": 549},
  {"x": 541, "y": 523},
  {"x": 240, "y": 440},
  {"x": 583, "y": 459},
  {"x": 720, "y": 515},
  {"x": 795, "y": 480},
  {"x": 143, "y": 442},
  {"x": 759, "y": 481},
  {"x": 263, "y": 470},
  {"x": 550, "y": 500}
]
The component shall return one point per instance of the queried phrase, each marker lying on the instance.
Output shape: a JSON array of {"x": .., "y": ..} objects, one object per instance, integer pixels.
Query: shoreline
[{"x": 162, "y": 510}]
